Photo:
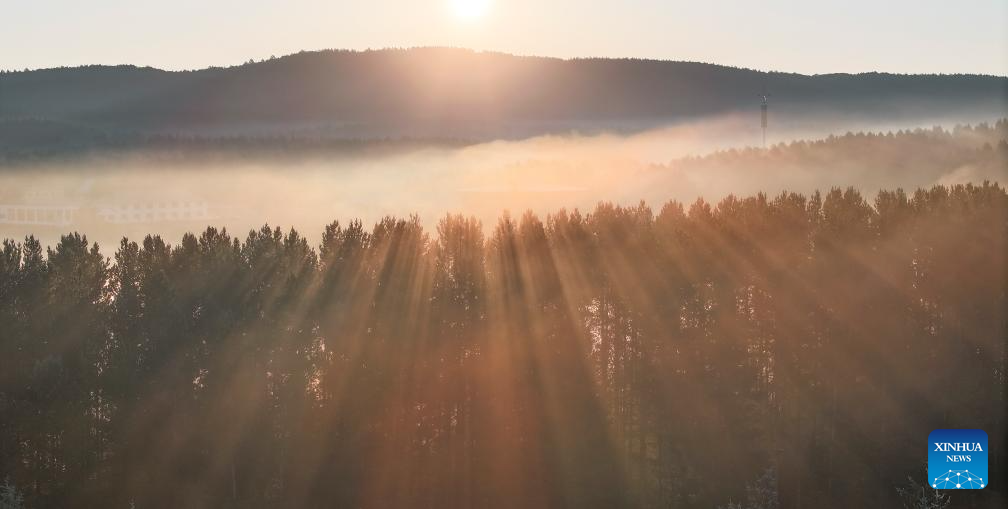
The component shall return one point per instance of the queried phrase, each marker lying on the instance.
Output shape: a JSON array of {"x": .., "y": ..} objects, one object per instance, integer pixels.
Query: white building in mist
[
  {"x": 39, "y": 215},
  {"x": 56, "y": 208},
  {"x": 154, "y": 212}
]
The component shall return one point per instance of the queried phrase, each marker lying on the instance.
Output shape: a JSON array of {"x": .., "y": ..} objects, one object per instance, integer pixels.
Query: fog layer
[{"x": 132, "y": 194}]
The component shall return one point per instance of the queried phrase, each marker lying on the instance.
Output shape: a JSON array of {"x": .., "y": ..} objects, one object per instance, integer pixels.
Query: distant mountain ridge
[{"x": 444, "y": 92}]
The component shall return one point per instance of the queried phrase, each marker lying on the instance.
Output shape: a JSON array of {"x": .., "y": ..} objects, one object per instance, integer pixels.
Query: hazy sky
[{"x": 791, "y": 35}]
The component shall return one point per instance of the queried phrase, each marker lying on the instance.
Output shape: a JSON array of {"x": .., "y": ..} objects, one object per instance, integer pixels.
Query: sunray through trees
[{"x": 604, "y": 359}]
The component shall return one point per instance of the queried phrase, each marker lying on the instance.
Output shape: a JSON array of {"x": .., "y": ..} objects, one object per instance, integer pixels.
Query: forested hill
[
  {"x": 441, "y": 92},
  {"x": 873, "y": 160}
]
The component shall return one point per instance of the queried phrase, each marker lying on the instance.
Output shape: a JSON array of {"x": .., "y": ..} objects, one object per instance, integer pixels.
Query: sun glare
[{"x": 470, "y": 9}]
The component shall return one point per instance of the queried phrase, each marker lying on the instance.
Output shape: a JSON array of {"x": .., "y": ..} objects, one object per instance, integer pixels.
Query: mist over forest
[
  {"x": 302, "y": 139},
  {"x": 178, "y": 187},
  {"x": 444, "y": 278}
]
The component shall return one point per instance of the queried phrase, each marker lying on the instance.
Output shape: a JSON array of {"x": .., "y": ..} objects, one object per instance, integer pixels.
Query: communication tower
[{"x": 763, "y": 117}]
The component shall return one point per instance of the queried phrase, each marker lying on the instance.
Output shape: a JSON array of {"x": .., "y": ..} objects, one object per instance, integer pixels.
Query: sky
[{"x": 921, "y": 36}]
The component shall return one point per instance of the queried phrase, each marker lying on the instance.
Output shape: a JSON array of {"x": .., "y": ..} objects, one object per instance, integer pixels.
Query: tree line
[
  {"x": 874, "y": 160},
  {"x": 24, "y": 141},
  {"x": 793, "y": 349}
]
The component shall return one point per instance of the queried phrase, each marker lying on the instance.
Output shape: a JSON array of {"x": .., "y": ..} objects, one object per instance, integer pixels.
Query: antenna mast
[{"x": 763, "y": 118}]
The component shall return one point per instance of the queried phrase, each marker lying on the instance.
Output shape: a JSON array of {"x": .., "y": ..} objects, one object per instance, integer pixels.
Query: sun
[{"x": 470, "y": 9}]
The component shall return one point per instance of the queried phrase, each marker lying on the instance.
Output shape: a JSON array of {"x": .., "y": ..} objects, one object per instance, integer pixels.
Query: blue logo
[{"x": 957, "y": 459}]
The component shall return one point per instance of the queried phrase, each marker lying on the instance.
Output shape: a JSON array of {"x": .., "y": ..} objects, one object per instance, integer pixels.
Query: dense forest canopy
[
  {"x": 801, "y": 344},
  {"x": 456, "y": 93}
]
